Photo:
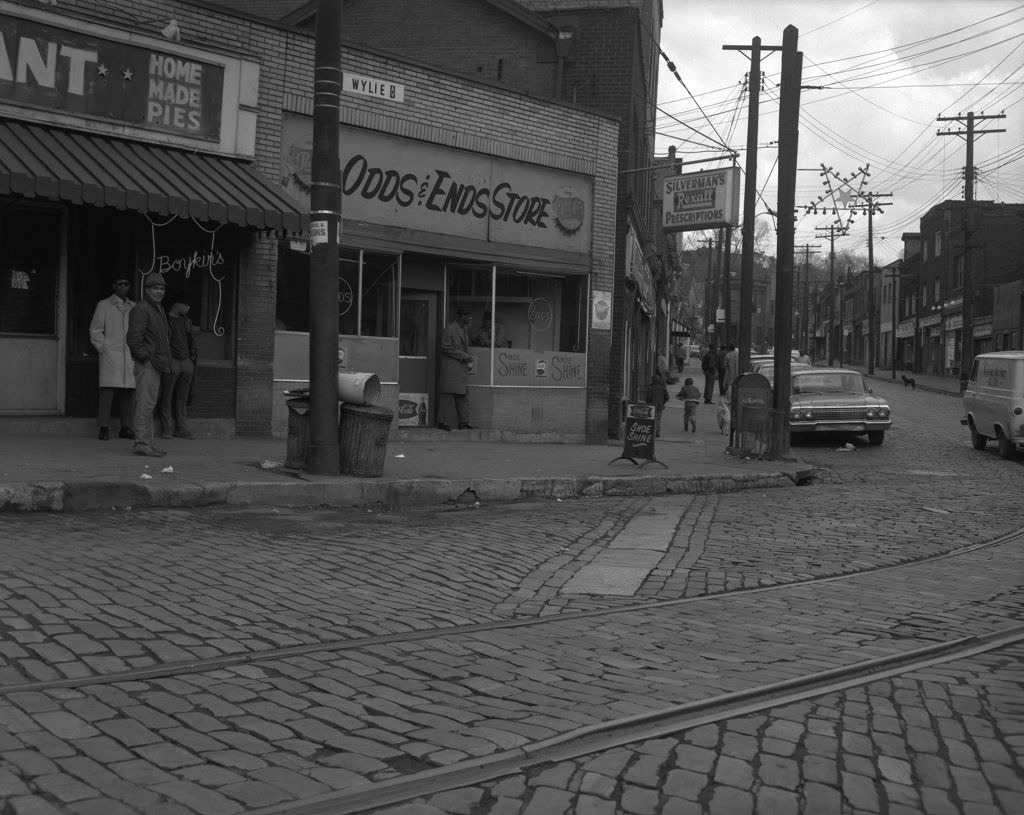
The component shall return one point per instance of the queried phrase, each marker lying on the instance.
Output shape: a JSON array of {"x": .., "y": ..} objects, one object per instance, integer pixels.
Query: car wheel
[
  {"x": 876, "y": 437},
  {"x": 979, "y": 441},
  {"x": 1007, "y": 449}
]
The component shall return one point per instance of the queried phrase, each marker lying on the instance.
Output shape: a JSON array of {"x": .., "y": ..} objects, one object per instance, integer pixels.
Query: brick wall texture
[{"x": 488, "y": 113}]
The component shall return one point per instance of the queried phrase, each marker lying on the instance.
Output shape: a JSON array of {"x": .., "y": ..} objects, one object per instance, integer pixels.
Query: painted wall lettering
[
  {"x": 175, "y": 93},
  {"x": 413, "y": 185},
  {"x": 61, "y": 70}
]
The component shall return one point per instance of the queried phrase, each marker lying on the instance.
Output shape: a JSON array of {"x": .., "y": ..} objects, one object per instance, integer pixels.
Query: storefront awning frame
[{"x": 39, "y": 161}]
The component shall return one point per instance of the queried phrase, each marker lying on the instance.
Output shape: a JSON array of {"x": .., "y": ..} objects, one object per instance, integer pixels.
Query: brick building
[
  {"x": 596, "y": 55},
  {"x": 459, "y": 191}
]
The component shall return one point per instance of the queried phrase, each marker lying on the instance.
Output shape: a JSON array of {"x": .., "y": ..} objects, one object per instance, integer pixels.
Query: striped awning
[{"x": 38, "y": 161}]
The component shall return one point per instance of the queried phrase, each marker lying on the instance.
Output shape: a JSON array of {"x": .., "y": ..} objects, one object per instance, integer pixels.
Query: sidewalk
[{"x": 72, "y": 473}]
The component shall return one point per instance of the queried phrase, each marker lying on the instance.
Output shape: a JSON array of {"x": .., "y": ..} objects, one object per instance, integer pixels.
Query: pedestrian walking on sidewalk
[
  {"x": 150, "y": 345},
  {"x": 455, "y": 363},
  {"x": 690, "y": 395},
  {"x": 108, "y": 332},
  {"x": 709, "y": 365},
  {"x": 175, "y": 386},
  {"x": 732, "y": 364}
]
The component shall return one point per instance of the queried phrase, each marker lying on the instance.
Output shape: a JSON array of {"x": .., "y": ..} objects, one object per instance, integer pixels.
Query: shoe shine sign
[{"x": 80, "y": 72}]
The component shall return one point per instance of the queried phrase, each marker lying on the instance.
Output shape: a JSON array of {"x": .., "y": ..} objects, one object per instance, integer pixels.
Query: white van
[{"x": 994, "y": 401}]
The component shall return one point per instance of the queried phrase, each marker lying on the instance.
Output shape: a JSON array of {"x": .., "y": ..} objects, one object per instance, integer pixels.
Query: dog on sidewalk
[
  {"x": 909, "y": 382},
  {"x": 722, "y": 415}
]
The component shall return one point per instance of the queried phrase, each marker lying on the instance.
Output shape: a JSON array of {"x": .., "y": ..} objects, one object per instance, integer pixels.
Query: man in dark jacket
[
  {"x": 175, "y": 386},
  {"x": 150, "y": 346},
  {"x": 455, "y": 362},
  {"x": 709, "y": 366}
]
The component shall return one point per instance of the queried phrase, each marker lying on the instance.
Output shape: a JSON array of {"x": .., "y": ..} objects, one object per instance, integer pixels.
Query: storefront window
[
  {"x": 367, "y": 292},
  {"x": 28, "y": 271},
  {"x": 530, "y": 331},
  {"x": 379, "y": 294}
]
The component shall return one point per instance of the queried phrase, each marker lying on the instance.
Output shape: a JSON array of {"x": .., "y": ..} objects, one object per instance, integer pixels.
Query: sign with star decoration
[{"x": 56, "y": 69}]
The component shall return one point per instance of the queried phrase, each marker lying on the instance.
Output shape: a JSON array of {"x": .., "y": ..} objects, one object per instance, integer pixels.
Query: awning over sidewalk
[{"x": 37, "y": 161}]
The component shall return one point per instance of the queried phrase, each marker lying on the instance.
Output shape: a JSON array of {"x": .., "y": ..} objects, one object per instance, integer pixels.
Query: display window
[
  {"x": 367, "y": 292},
  {"x": 528, "y": 328},
  {"x": 30, "y": 248}
]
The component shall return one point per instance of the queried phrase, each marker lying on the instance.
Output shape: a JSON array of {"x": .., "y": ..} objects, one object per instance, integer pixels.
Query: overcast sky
[{"x": 889, "y": 69}]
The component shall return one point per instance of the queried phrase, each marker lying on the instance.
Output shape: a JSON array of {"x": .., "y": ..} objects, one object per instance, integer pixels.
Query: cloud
[{"x": 883, "y": 70}]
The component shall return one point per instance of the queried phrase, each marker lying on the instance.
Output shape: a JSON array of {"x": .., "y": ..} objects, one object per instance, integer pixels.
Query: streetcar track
[
  {"x": 641, "y": 727},
  {"x": 217, "y": 663}
]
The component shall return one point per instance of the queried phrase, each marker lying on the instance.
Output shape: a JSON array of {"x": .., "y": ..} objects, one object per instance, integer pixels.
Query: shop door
[
  {"x": 417, "y": 361},
  {"x": 31, "y": 354}
]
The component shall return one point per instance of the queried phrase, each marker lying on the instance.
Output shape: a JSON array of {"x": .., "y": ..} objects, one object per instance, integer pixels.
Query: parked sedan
[{"x": 835, "y": 400}]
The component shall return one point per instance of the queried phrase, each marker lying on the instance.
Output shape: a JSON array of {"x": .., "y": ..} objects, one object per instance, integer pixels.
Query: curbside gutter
[{"x": 74, "y": 496}]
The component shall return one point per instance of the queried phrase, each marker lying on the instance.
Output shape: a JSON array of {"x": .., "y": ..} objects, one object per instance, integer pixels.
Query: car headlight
[
  {"x": 878, "y": 412},
  {"x": 801, "y": 414}
]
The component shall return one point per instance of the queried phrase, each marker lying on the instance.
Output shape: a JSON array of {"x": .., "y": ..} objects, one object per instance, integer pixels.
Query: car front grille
[{"x": 840, "y": 414}]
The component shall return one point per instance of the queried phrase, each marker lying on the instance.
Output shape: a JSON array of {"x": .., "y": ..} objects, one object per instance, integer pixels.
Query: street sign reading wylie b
[{"x": 703, "y": 200}]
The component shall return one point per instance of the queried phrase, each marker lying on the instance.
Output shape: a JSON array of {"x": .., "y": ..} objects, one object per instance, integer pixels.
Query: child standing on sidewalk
[{"x": 691, "y": 397}]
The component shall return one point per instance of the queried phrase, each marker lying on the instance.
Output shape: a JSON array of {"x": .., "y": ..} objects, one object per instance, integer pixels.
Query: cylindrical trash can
[
  {"x": 357, "y": 388},
  {"x": 363, "y": 439},
  {"x": 298, "y": 433}
]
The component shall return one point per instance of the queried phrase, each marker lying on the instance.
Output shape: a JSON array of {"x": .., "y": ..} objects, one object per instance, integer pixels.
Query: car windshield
[{"x": 828, "y": 382}]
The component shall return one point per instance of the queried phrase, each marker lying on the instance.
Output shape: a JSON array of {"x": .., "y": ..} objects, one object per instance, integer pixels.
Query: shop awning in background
[{"x": 37, "y": 161}]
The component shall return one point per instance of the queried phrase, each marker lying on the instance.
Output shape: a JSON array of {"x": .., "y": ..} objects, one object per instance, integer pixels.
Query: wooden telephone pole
[
  {"x": 743, "y": 339},
  {"x": 803, "y": 305},
  {"x": 324, "y": 229},
  {"x": 829, "y": 338},
  {"x": 969, "y": 226}
]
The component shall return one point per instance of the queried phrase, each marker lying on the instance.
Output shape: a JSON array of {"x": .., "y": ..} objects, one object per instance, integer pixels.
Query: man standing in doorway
[
  {"x": 107, "y": 332},
  {"x": 455, "y": 362},
  {"x": 149, "y": 342},
  {"x": 709, "y": 366},
  {"x": 175, "y": 386}
]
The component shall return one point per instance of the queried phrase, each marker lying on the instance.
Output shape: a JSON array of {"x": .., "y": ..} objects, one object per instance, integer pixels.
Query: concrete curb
[{"x": 75, "y": 496}]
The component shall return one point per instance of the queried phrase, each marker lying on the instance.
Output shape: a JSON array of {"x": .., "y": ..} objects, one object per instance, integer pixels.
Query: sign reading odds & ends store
[{"x": 394, "y": 181}]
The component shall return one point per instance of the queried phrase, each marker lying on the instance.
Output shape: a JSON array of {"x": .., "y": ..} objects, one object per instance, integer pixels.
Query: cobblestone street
[{"x": 498, "y": 659}]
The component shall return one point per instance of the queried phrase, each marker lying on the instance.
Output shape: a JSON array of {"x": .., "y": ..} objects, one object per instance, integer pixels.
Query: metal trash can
[
  {"x": 363, "y": 439},
  {"x": 298, "y": 433}
]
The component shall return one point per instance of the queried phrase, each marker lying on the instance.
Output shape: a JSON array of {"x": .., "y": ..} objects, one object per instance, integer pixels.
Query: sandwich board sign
[{"x": 638, "y": 436}]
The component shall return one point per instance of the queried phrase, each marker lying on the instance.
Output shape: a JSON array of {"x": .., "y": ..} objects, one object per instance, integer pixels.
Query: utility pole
[
  {"x": 324, "y": 229},
  {"x": 789, "y": 136},
  {"x": 868, "y": 204},
  {"x": 832, "y": 231},
  {"x": 969, "y": 226},
  {"x": 802, "y": 337},
  {"x": 709, "y": 292},
  {"x": 896, "y": 281},
  {"x": 749, "y": 198},
  {"x": 727, "y": 283}
]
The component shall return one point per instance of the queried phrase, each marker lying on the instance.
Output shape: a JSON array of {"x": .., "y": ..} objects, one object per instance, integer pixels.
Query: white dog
[{"x": 722, "y": 414}]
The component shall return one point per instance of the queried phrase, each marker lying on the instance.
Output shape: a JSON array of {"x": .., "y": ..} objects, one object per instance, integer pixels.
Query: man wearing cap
[
  {"x": 455, "y": 361},
  {"x": 174, "y": 386},
  {"x": 107, "y": 332},
  {"x": 149, "y": 343}
]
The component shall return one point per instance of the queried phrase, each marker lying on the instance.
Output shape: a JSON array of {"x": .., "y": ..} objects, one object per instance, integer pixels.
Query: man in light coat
[
  {"x": 108, "y": 331},
  {"x": 455, "y": 362},
  {"x": 150, "y": 344}
]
